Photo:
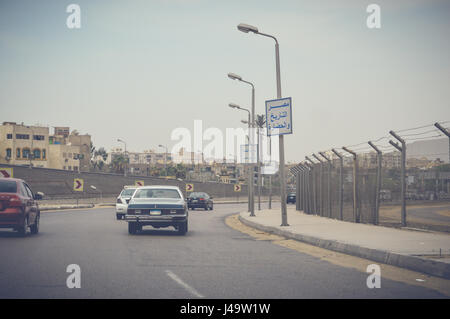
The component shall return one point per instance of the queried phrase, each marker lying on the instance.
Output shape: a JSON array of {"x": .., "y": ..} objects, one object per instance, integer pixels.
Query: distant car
[
  {"x": 157, "y": 206},
  {"x": 291, "y": 198},
  {"x": 122, "y": 201},
  {"x": 18, "y": 207},
  {"x": 200, "y": 200}
]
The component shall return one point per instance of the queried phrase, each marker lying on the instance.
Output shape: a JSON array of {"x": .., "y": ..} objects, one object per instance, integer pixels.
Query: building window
[
  {"x": 64, "y": 167},
  {"x": 75, "y": 168},
  {"x": 44, "y": 154},
  {"x": 70, "y": 168},
  {"x": 23, "y": 136},
  {"x": 38, "y": 137},
  {"x": 37, "y": 153},
  {"x": 8, "y": 152},
  {"x": 9, "y": 136},
  {"x": 18, "y": 153},
  {"x": 26, "y": 153}
]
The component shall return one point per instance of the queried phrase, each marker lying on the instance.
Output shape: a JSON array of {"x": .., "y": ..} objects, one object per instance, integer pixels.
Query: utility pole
[
  {"x": 378, "y": 188},
  {"x": 341, "y": 184},
  {"x": 356, "y": 211},
  {"x": 402, "y": 149}
]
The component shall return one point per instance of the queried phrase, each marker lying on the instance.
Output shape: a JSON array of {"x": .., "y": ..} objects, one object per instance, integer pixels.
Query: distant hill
[{"x": 431, "y": 149}]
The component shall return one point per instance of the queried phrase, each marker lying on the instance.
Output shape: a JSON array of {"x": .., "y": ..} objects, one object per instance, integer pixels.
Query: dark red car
[{"x": 18, "y": 207}]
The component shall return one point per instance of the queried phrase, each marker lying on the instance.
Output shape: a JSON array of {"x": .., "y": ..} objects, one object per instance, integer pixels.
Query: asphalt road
[{"x": 211, "y": 261}]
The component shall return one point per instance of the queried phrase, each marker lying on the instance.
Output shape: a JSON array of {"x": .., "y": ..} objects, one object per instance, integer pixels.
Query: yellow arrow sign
[
  {"x": 139, "y": 183},
  {"x": 78, "y": 184},
  {"x": 189, "y": 187},
  {"x": 237, "y": 187},
  {"x": 6, "y": 172}
]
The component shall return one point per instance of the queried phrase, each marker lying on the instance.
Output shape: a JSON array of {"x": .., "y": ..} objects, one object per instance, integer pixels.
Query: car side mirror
[{"x": 38, "y": 196}]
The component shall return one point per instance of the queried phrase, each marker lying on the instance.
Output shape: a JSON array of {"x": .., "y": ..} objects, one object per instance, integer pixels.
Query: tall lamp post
[
  {"x": 248, "y": 28},
  {"x": 165, "y": 159},
  {"x": 250, "y": 173},
  {"x": 251, "y": 124},
  {"x": 126, "y": 156}
]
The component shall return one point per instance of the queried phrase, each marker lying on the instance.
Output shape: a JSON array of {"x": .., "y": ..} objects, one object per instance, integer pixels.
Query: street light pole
[
  {"x": 250, "y": 171},
  {"x": 251, "y": 124},
  {"x": 165, "y": 159},
  {"x": 126, "y": 157},
  {"x": 248, "y": 28}
]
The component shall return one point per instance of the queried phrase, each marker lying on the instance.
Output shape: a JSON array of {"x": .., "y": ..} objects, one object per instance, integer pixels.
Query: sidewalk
[{"x": 426, "y": 252}]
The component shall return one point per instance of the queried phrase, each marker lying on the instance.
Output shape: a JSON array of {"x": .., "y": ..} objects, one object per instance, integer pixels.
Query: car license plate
[
  {"x": 195, "y": 201},
  {"x": 155, "y": 212}
]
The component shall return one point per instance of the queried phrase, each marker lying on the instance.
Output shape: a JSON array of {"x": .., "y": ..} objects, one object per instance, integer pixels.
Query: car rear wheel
[
  {"x": 35, "y": 227},
  {"x": 22, "y": 230},
  {"x": 132, "y": 229}
]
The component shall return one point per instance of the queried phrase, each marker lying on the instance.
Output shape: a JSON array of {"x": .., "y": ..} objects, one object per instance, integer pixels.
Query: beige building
[
  {"x": 22, "y": 144},
  {"x": 63, "y": 156}
]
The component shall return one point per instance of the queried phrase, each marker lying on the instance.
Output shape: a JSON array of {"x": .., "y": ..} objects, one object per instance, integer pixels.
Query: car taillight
[
  {"x": 202, "y": 199},
  {"x": 15, "y": 201},
  {"x": 119, "y": 201}
]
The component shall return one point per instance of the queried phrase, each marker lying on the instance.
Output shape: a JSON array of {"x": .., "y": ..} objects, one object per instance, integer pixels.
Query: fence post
[
  {"x": 321, "y": 205},
  {"x": 341, "y": 184},
  {"x": 402, "y": 149},
  {"x": 314, "y": 186},
  {"x": 378, "y": 188},
  {"x": 308, "y": 188},
  {"x": 356, "y": 211},
  {"x": 329, "y": 182}
]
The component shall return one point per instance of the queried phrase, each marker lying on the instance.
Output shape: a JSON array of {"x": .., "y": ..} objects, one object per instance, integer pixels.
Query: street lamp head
[
  {"x": 247, "y": 28},
  {"x": 244, "y": 121},
  {"x": 234, "y": 76},
  {"x": 234, "y": 106}
]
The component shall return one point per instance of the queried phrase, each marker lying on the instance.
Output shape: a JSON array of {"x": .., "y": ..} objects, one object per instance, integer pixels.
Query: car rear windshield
[
  {"x": 197, "y": 194},
  {"x": 157, "y": 193},
  {"x": 127, "y": 192},
  {"x": 8, "y": 186}
]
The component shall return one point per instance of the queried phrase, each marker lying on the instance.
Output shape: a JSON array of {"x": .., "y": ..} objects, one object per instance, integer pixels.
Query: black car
[
  {"x": 200, "y": 200},
  {"x": 291, "y": 198}
]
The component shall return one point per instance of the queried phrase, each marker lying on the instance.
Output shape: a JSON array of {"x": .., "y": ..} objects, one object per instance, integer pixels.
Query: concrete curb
[
  {"x": 427, "y": 266},
  {"x": 61, "y": 207}
]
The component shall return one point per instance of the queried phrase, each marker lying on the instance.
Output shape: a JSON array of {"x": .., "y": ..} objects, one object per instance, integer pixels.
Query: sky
[{"x": 137, "y": 70}]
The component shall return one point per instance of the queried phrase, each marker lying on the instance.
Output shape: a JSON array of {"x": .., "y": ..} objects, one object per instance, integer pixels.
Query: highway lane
[{"x": 211, "y": 261}]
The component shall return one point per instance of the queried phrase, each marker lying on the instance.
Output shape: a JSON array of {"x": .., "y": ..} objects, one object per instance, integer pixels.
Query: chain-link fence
[{"x": 399, "y": 180}]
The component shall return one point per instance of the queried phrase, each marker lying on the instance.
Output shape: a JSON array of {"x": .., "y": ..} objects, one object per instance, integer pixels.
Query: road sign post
[
  {"x": 279, "y": 122},
  {"x": 78, "y": 186},
  {"x": 237, "y": 189}
]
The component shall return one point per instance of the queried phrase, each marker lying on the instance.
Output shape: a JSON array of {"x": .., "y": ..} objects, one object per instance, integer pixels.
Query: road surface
[{"x": 211, "y": 261}]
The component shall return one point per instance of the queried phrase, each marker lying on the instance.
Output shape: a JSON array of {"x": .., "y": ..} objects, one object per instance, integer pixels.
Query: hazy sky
[{"x": 138, "y": 69}]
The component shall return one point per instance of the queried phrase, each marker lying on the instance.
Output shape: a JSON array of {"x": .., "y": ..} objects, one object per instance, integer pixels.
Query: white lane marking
[{"x": 183, "y": 284}]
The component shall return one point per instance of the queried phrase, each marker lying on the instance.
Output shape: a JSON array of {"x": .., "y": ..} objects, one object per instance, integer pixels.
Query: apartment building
[{"x": 24, "y": 144}]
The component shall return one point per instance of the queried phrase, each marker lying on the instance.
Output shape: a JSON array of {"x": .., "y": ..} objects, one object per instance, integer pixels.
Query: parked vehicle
[
  {"x": 291, "y": 197},
  {"x": 200, "y": 200},
  {"x": 385, "y": 195},
  {"x": 18, "y": 207},
  {"x": 122, "y": 201},
  {"x": 157, "y": 206}
]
